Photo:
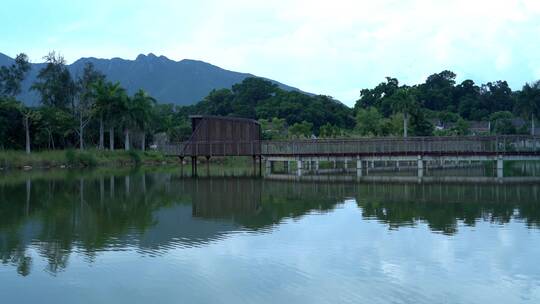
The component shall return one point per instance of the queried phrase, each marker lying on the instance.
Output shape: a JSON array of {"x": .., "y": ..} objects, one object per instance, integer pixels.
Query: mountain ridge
[{"x": 182, "y": 82}]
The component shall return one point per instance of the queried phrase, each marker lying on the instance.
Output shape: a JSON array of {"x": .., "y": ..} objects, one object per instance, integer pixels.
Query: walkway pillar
[
  {"x": 316, "y": 166},
  {"x": 420, "y": 164},
  {"x": 268, "y": 166},
  {"x": 500, "y": 167},
  {"x": 260, "y": 165},
  {"x": 358, "y": 167},
  {"x": 299, "y": 167},
  {"x": 181, "y": 166},
  {"x": 345, "y": 165},
  {"x": 286, "y": 166},
  {"x": 194, "y": 166},
  {"x": 208, "y": 166}
]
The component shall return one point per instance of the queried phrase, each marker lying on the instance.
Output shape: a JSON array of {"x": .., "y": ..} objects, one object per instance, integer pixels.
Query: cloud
[{"x": 328, "y": 47}]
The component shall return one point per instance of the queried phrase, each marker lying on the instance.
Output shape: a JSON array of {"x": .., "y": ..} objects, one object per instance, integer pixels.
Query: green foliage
[
  {"x": 301, "y": 130},
  {"x": 261, "y": 99},
  {"x": 10, "y": 123},
  {"x": 330, "y": 131},
  {"x": 420, "y": 126},
  {"x": 135, "y": 157},
  {"x": 462, "y": 127},
  {"x": 273, "y": 129},
  {"x": 12, "y": 76},
  {"x": 80, "y": 159},
  {"x": 501, "y": 123},
  {"x": 55, "y": 85},
  {"x": 369, "y": 122}
]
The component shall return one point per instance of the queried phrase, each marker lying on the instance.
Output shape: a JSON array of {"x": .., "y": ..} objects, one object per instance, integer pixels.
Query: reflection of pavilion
[{"x": 226, "y": 198}]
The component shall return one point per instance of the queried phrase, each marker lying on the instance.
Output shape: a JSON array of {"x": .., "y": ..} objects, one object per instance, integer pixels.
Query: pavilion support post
[
  {"x": 500, "y": 167},
  {"x": 299, "y": 167}
]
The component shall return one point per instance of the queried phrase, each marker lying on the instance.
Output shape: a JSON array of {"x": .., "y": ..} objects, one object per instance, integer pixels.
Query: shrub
[
  {"x": 71, "y": 157},
  {"x": 87, "y": 159},
  {"x": 135, "y": 157}
]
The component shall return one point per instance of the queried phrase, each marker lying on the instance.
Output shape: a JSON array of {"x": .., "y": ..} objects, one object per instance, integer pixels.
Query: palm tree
[
  {"x": 127, "y": 120},
  {"x": 528, "y": 104},
  {"x": 142, "y": 105},
  {"x": 403, "y": 101},
  {"x": 110, "y": 103}
]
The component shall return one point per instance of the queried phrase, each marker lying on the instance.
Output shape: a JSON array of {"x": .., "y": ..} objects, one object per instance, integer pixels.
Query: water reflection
[{"x": 156, "y": 212}]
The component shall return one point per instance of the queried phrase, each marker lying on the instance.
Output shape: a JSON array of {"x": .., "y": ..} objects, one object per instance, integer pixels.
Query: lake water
[{"x": 157, "y": 237}]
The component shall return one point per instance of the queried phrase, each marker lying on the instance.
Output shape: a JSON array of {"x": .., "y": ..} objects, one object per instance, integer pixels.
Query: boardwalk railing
[{"x": 464, "y": 145}]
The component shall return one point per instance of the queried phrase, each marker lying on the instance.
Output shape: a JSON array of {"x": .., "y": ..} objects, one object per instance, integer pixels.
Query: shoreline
[{"x": 75, "y": 159}]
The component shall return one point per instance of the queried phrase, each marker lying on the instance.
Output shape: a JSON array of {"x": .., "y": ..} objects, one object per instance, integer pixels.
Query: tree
[
  {"x": 437, "y": 91},
  {"x": 249, "y": 93},
  {"x": 528, "y": 104},
  {"x": 29, "y": 116},
  {"x": 109, "y": 106},
  {"x": 420, "y": 126},
  {"x": 10, "y": 119},
  {"x": 378, "y": 96},
  {"x": 462, "y": 127},
  {"x": 403, "y": 101},
  {"x": 501, "y": 123},
  {"x": 86, "y": 98},
  {"x": 301, "y": 130},
  {"x": 142, "y": 104},
  {"x": 273, "y": 129},
  {"x": 12, "y": 76},
  {"x": 54, "y": 84},
  {"x": 54, "y": 124},
  {"x": 368, "y": 121},
  {"x": 329, "y": 131}
]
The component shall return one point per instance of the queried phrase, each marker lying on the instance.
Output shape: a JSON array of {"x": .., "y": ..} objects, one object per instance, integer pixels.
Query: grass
[{"x": 79, "y": 159}]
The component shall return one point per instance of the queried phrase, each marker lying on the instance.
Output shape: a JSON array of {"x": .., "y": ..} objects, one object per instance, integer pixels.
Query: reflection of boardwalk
[{"x": 408, "y": 179}]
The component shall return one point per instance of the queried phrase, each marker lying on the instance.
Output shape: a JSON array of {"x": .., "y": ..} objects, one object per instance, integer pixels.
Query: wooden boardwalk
[
  {"x": 364, "y": 147},
  {"x": 365, "y": 151}
]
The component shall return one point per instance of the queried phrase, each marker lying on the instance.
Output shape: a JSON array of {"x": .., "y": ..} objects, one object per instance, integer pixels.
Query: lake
[{"x": 159, "y": 237}]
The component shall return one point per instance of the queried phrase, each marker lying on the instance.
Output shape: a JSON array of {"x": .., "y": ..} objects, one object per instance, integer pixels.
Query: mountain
[{"x": 181, "y": 82}]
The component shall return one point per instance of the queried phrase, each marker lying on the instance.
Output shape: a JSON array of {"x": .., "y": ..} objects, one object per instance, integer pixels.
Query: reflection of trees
[
  {"x": 62, "y": 213},
  {"x": 256, "y": 203},
  {"x": 90, "y": 213},
  {"x": 443, "y": 206}
]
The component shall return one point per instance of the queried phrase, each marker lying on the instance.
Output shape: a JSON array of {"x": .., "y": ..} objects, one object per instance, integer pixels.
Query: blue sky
[{"x": 329, "y": 47}]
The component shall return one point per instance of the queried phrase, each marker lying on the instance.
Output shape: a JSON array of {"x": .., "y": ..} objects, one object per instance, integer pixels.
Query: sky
[{"x": 332, "y": 47}]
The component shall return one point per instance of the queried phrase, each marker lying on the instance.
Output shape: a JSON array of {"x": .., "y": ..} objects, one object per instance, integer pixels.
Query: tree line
[
  {"x": 81, "y": 110},
  {"x": 441, "y": 98},
  {"x": 74, "y": 111}
]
